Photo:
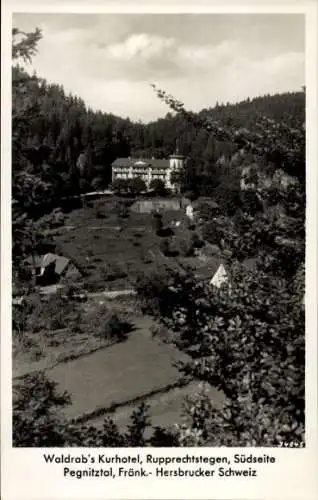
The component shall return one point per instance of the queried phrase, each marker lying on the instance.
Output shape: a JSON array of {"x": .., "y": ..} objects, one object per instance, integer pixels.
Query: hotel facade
[{"x": 148, "y": 169}]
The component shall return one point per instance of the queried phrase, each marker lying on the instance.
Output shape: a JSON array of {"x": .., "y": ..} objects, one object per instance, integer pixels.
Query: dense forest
[
  {"x": 249, "y": 342},
  {"x": 69, "y": 148}
]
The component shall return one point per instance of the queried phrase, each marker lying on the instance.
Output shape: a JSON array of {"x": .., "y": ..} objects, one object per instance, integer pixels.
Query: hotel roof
[{"x": 142, "y": 162}]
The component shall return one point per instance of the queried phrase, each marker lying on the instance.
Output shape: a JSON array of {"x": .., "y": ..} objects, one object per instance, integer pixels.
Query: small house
[
  {"x": 220, "y": 277},
  {"x": 50, "y": 268}
]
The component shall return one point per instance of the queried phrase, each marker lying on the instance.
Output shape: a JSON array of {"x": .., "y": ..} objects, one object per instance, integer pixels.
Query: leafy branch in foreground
[
  {"x": 24, "y": 45},
  {"x": 276, "y": 141}
]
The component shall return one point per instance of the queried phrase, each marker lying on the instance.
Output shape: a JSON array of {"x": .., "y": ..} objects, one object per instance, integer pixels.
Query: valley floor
[{"x": 105, "y": 377}]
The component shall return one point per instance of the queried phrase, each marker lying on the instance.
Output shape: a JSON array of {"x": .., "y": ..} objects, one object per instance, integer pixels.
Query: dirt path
[{"x": 109, "y": 294}]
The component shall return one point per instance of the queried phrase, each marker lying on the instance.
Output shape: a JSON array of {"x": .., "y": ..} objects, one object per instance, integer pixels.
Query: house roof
[
  {"x": 148, "y": 162},
  {"x": 61, "y": 262},
  {"x": 219, "y": 277}
]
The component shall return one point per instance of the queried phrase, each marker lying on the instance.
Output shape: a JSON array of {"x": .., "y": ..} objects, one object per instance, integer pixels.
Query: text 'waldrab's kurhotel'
[{"x": 149, "y": 169}]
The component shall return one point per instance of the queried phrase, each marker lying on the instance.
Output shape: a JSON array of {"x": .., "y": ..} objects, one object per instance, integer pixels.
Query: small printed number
[{"x": 292, "y": 444}]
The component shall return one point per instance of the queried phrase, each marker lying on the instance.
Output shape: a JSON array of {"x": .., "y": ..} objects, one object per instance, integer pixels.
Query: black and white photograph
[{"x": 158, "y": 230}]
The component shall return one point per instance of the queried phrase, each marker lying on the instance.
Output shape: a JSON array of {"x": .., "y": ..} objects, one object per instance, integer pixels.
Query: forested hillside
[
  {"x": 70, "y": 148},
  {"x": 246, "y": 339}
]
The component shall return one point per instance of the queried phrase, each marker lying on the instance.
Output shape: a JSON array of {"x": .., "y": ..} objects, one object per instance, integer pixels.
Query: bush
[
  {"x": 122, "y": 210},
  {"x": 35, "y": 420},
  {"x": 196, "y": 241},
  {"x": 100, "y": 215},
  {"x": 53, "y": 314},
  {"x": 136, "y": 186},
  {"x": 93, "y": 284},
  {"x": 190, "y": 195},
  {"x": 157, "y": 222},
  {"x": 113, "y": 272},
  {"x": 158, "y": 186},
  {"x": 186, "y": 249},
  {"x": 165, "y": 232},
  {"x": 107, "y": 325},
  {"x": 162, "y": 333},
  {"x": 165, "y": 247},
  {"x": 155, "y": 296},
  {"x": 119, "y": 186}
]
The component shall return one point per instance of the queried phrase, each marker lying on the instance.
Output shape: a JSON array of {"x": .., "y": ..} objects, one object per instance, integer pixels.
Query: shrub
[
  {"x": 120, "y": 186},
  {"x": 165, "y": 247},
  {"x": 35, "y": 420},
  {"x": 186, "y": 249},
  {"x": 100, "y": 215},
  {"x": 107, "y": 325},
  {"x": 162, "y": 333},
  {"x": 157, "y": 222},
  {"x": 158, "y": 186},
  {"x": 93, "y": 284},
  {"x": 113, "y": 272},
  {"x": 165, "y": 232},
  {"x": 123, "y": 212},
  {"x": 196, "y": 241},
  {"x": 136, "y": 185},
  {"x": 191, "y": 195},
  {"x": 53, "y": 314}
]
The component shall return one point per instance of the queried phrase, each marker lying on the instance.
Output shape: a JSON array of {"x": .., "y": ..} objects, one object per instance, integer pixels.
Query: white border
[{"x": 23, "y": 474}]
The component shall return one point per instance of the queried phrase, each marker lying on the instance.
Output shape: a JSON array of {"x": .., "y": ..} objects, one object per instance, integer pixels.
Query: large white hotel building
[{"x": 148, "y": 169}]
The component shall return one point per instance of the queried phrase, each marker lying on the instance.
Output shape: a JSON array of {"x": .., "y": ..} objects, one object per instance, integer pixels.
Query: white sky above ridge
[{"x": 109, "y": 60}]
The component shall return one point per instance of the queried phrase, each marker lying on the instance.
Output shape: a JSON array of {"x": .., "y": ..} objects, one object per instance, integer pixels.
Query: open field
[
  {"x": 165, "y": 408},
  {"x": 59, "y": 330},
  {"x": 111, "y": 243},
  {"x": 53, "y": 348},
  {"x": 119, "y": 373}
]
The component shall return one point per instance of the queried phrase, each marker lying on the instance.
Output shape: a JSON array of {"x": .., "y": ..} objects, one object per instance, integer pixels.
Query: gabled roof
[
  {"x": 219, "y": 277},
  {"x": 46, "y": 260},
  {"x": 148, "y": 162},
  {"x": 61, "y": 262}
]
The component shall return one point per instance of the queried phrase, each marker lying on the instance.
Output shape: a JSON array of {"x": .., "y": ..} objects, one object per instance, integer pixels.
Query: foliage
[
  {"x": 120, "y": 186},
  {"x": 136, "y": 185},
  {"x": 248, "y": 338},
  {"x": 61, "y": 147},
  {"x": 38, "y": 422},
  {"x": 54, "y": 313},
  {"x": 248, "y": 341},
  {"x": 24, "y": 45},
  {"x": 36, "y": 419},
  {"x": 154, "y": 293},
  {"x": 157, "y": 222},
  {"x": 158, "y": 186},
  {"x": 104, "y": 324}
]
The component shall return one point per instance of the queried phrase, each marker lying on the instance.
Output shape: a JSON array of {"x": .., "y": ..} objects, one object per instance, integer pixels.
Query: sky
[{"x": 109, "y": 60}]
